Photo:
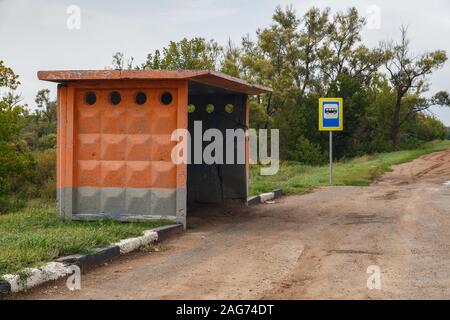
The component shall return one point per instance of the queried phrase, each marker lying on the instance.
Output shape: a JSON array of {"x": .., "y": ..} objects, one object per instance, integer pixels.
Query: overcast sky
[{"x": 34, "y": 34}]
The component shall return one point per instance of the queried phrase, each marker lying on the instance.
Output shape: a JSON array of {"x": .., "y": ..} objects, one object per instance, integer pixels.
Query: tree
[
  {"x": 120, "y": 63},
  {"x": 343, "y": 53},
  {"x": 40, "y": 126},
  {"x": 284, "y": 55},
  {"x": 407, "y": 73},
  {"x": 8, "y": 79},
  {"x": 47, "y": 108},
  {"x": 321, "y": 54},
  {"x": 187, "y": 54},
  {"x": 303, "y": 58},
  {"x": 231, "y": 63},
  {"x": 16, "y": 163}
]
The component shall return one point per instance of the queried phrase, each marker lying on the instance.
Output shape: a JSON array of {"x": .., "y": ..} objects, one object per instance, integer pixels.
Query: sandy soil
[{"x": 314, "y": 246}]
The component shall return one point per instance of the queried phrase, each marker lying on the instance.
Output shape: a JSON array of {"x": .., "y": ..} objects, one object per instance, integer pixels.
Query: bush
[
  {"x": 45, "y": 176},
  {"x": 48, "y": 190},
  {"x": 11, "y": 204},
  {"x": 47, "y": 141},
  {"x": 308, "y": 153},
  {"x": 259, "y": 119}
]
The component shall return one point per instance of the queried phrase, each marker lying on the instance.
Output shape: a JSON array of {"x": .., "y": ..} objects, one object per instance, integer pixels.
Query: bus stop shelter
[{"x": 114, "y": 141}]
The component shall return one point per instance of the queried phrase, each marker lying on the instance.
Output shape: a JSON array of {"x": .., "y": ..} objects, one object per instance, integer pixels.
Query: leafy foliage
[
  {"x": 407, "y": 73},
  {"x": 196, "y": 53},
  {"x": 16, "y": 162},
  {"x": 303, "y": 58},
  {"x": 27, "y": 146},
  {"x": 321, "y": 54}
]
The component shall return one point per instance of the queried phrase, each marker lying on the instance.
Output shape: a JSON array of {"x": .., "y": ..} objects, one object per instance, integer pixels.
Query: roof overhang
[{"x": 211, "y": 78}]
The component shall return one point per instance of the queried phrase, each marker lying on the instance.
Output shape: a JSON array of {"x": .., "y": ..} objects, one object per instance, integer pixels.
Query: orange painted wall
[{"x": 125, "y": 145}]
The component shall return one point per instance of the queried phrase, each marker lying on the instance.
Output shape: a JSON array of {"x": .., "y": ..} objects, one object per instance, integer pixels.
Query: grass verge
[
  {"x": 34, "y": 236},
  {"x": 296, "y": 178}
]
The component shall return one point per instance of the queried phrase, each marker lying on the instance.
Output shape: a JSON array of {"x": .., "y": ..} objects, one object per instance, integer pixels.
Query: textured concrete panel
[
  {"x": 112, "y": 201},
  {"x": 88, "y": 172},
  {"x": 161, "y": 147},
  {"x": 163, "y": 174},
  {"x": 138, "y": 147},
  {"x": 113, "y": 119},
  {"x": 113, "y": 173},
  {"x": 181, "y": 202},
  {"x": 163, "y": 202},
  {"x": 121, "y": 203},
  {"x": 64, "y": 202},
  {"x": 113, "y": 147},
  {"x": 163, "y": 118},
  {"x": 138, "y": 121},
  {"x": 138, "y": 202},
  {"x": 88, "y": 147},
  {"x": 138, "y": 174},
  {"x": 87, "y": 200},
  {"x": 88, "y": 120},
  {"x": 122, "y": 166}
]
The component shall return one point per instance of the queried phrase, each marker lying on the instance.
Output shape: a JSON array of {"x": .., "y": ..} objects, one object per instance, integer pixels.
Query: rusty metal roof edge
[
  {"x": 235, "y": 80},
  {"x": 79, "y": 75}
]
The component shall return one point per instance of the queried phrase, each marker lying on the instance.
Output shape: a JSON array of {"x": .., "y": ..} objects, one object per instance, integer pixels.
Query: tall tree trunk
[{"x": 395, "y": 129}]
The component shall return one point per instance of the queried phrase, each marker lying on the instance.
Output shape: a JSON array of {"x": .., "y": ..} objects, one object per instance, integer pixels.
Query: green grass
[
  {"x": 296, "y": 178},
  {"x": 33, "y": 236}
]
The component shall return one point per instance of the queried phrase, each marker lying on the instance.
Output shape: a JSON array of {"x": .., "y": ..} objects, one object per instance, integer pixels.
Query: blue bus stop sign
[
  {"x": 331, "y": 114},
  {"x": 331, "y": 119}
]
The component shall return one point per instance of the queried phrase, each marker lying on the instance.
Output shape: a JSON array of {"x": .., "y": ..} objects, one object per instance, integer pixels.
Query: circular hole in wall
[
  {"x": 210, "y": 108},
  {"x": 191, "y": 108},
  {"x": 229, "y": 108},
  {"x": 115, "y": 98},
  {"x": 141, "y": 98},
  {"x": 166, "y": 98},
  {"x": 90, "y": 98}
]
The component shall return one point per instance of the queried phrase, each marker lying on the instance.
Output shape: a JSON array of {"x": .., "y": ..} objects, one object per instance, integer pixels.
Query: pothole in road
[
  {"x": 354, "y": 218},
  {"x": 391, "y": 195},
  {"x": 354, "y": 252}
]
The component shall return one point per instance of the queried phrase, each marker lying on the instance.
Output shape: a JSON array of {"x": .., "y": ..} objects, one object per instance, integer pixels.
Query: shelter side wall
[
  {"x": 218, "y": 182},
  {"x": 115, "y": 161}
]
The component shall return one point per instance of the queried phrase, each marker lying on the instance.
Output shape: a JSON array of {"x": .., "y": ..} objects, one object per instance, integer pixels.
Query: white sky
[{"x": 34, "y": 36}]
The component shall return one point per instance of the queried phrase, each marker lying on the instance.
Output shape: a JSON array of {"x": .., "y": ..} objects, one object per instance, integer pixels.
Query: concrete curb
[
  {"x": 166, "y": 232},
  {"x": 32, "y": 277},
  {"x": 132, "y": 244},
  {"x": 88, "y": 261},
  {"x": 263, "y": 197},
  {"x": 5, "y": 288},
  {"x": 60, "y": 268}
]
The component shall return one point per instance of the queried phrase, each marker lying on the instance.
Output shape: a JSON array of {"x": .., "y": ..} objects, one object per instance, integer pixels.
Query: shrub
[
  {"x": 45, "y": 173},
  {"x": 307, "y": 152},
  {"x": 48, "y": 190},
  {"x": 11, "y": 204}
]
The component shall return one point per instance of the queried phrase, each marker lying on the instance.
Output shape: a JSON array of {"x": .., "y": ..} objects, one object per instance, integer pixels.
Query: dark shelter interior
[{"x": 220, "y": 109}]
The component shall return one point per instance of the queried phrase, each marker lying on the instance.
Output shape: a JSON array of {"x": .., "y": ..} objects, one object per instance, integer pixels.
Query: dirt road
[{"x": 315, "y": 246}]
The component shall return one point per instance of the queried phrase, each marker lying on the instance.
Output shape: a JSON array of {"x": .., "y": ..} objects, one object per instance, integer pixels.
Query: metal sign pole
[
  {"x": 331, "y": 116},
  {"x": 331, "y": 157}
]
